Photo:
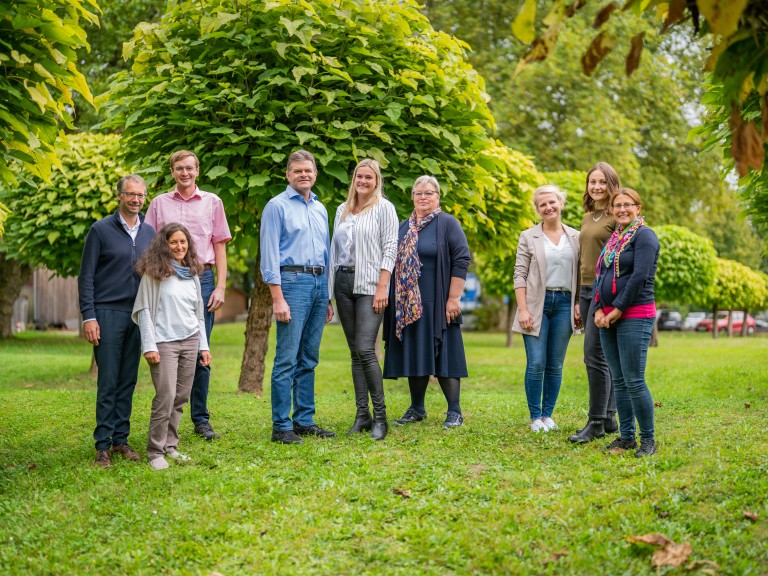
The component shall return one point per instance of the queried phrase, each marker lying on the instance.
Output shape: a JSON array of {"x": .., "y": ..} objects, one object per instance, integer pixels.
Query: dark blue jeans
[
  {"x": 361, "y": 326},
  {"x": 545, "y": 355},
  {"x": 602, "y": 403},
  {"x": 117, "y": 356},
  {"x": 198, "y": 401},
  {"x": 625, "y": 345},
  {"x": 297, "y": 351}
]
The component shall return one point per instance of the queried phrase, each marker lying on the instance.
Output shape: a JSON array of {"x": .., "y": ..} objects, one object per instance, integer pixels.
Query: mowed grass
[{"x": 487, "y": 498}]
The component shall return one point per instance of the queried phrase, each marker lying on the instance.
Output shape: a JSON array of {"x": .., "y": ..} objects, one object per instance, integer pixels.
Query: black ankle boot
[
  {"x": 362, "y": 423},
  {"x": 593, "y": 429},
  {"x": 380, "y": 426},
  {"x": 610, "y": 425}
]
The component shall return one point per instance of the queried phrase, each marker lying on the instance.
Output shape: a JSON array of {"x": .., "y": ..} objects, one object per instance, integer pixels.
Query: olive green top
[{"x": 592, "y": 239}]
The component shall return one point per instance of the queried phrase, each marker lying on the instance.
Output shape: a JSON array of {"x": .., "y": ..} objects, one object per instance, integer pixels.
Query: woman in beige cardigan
[{"x": 546, "y": 284}]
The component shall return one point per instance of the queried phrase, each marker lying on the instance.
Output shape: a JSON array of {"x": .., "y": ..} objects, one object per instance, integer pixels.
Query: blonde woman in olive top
[
  {"x": 363, "y": 253},
  {"x": 597, "y": 225}
]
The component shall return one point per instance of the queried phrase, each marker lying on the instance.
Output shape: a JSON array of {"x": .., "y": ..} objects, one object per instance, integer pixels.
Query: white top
[
  {"x": 344, "y": 242},
  {"x": 176, "y": 317},
  {"x": 559, "y": 262}
]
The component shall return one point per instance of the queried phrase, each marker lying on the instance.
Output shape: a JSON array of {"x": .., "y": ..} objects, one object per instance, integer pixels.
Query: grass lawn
[{"x": 487, "y": 498}]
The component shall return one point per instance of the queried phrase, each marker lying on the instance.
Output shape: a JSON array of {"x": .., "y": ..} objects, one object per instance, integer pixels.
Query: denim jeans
[
  {"x": 361, "y": 326},
  {"x": 602, "y": 403},
  {"x": 625, "y": 345},
  {"x": 117, "y": 356},
  {"x": 298, "y": 349},
  {"x": 545, "y": 355},
  {"x": 198, "y": 402}
]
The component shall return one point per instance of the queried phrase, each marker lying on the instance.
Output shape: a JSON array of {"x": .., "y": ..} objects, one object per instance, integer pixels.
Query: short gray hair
[
  {"x": 548, "y": 189},
  {"x": 130, "y": 178},
  {"x": 300, "y": 156},
  {"x": 426, "y": 180}
]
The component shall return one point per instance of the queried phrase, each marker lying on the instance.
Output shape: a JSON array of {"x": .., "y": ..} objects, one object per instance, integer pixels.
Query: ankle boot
[
  {"x": 380, "y": 426},
  {"x": 593, "y": 429},
  {"x": 362, "y": 423},
  {"x": 610, "y": 425}
]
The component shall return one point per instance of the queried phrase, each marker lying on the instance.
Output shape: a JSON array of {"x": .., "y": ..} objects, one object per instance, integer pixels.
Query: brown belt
[{"x": 208, "y": 266}]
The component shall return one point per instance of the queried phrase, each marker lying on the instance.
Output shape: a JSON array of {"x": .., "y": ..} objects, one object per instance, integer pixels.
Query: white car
[{"x": 693, "y": 319}]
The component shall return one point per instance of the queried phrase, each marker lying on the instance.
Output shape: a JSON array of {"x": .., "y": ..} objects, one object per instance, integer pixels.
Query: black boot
[
  {"x": 610, "y": 425},
  {"x": 362, "y": 423},
  {"x": 593, "y": 429},
  {"x": 380, "y": 426}
]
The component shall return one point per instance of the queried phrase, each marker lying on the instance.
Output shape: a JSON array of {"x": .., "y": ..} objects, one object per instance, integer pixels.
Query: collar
[
  {"x": 125, "y": 224},
  {"x": 177, "y": 195},
  {"x": 292, "y": 194}
]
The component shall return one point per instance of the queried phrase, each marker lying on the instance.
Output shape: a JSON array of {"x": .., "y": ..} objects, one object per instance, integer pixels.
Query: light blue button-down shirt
[{"x": 293, "y": 233}]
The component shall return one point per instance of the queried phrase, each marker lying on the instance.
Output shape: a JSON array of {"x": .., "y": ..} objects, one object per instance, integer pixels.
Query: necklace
[{"x": 602, "y": 213}]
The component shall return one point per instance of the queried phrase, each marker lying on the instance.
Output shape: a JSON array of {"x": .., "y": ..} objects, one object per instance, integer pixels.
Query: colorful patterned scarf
[
  {"x": 407, "y": 272},
  {"x": 616, "y": 244}
]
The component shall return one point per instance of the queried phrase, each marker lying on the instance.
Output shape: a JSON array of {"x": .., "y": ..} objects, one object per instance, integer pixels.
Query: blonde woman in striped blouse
[{"x": 363, "y": 253}]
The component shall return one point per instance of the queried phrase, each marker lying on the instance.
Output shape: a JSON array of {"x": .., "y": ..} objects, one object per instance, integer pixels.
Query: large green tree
[
  {"x": 38, "y": 72},
  {"x": 244, "y": 84}
]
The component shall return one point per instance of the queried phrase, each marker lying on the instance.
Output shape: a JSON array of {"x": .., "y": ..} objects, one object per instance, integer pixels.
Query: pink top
[
  {"x": 637, "y": 311},
  {"x": 203, "y": 215}
]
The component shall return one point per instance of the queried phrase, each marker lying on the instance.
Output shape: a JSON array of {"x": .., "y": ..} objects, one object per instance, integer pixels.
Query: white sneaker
[
  {"x": 549, "y": 424},
  {"x": 537, "y": 426},
  {"x": 159, "y": 463},
  {"x": 174, "y": 455}
]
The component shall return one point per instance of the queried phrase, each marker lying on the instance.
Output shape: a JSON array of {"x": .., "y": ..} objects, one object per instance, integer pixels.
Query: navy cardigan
[{"x": 637, "y": 270}]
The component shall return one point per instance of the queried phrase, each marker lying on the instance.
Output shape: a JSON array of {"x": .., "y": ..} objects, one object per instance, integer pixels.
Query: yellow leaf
[
  {"x": 722, "y": 15},
  {"x": 20, "y": 58},
  {"x": 524, "y": 26},
  {"x": 38, "y": 98}
]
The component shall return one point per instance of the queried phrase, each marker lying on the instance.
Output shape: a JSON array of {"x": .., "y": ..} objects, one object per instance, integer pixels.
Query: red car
[{"x": 722, "y": 323}]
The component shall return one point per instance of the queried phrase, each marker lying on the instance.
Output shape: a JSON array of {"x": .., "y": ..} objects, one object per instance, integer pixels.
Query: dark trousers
[
  {"x": 361, "y": 326},
  {"x": 602, "y": 401},
  {"x": 117, "y": 356},
  {"x": 198, "y": 403}
]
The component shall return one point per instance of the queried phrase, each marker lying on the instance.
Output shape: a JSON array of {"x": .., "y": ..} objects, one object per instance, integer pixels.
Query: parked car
[
  {"x": 669, "y": 320},
  {"x": 722, "y": 323},
  {"x": 692, "y": 320},
  {"x": 761, "y": 325}
]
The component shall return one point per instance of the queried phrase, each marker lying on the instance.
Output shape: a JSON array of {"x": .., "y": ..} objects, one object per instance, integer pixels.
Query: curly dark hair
[{"x": 157, "y": 261}]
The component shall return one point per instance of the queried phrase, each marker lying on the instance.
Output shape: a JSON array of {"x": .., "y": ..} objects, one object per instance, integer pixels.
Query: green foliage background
[{"x": 687, "y": 266}]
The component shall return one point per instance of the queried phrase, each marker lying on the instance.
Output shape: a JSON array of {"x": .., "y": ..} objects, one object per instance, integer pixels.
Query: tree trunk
[
  {"x": 714, "y": 321},
  {"x": 730, "y": 323},
  {"x": 511, "y": 308},
  {"x": 256, "y": 336},
  {"x": 655, "y": 334},
  {"x": 744, "y": 326},
  {"x": 13, "y": 276}
]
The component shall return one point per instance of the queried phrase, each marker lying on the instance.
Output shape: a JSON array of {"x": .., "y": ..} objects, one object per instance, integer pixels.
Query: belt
[
  {"x": 558, "y": 290},
  {"x": 207, "y": 266},
  {"x": 349, "y": 269},
  {"x": 314, "y": 270}
]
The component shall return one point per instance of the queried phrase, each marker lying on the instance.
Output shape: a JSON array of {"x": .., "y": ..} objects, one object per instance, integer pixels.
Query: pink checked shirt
[{"x": 203, "y": 215}]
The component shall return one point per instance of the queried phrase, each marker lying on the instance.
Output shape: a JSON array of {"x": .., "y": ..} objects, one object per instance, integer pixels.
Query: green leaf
[{"x": 216, "y": 171}]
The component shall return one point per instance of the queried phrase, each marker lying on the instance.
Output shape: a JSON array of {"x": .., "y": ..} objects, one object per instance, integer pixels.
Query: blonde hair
[
  {"x": 180, "y": 155},
  {"x": 548, "y": 189},
  {"x": 351, "y": 204}
]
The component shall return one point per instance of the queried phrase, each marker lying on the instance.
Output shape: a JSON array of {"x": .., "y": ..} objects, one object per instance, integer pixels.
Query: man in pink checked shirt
[{"x": 203, "y": 215}]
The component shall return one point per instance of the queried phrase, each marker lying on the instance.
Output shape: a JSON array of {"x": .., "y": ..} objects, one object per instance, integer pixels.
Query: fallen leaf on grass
[
  {"x": 747, "y": 404},
  {"x": 479, "y": 468},
  {"x": 703, "y": 566},
  {"x": 671, "y": 555},
  {"x": 657, "y": 404},
  {"x": 750, "y": 516},
  {"x": 403, "y": 493},
  {"x": 263, "y": 532},
  {"x": 28, "y": 386},
  {"x": 32, "y": 466},
  {"x": 668, "y": 554},
  {"x": 555, "y": 556}
]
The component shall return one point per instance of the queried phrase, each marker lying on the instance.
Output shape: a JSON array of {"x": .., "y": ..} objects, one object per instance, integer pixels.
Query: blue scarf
[{"x": 182, "y": 271}]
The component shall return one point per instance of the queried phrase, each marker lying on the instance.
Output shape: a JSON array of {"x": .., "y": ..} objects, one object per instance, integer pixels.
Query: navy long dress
[{"x": 419, "y": 354}]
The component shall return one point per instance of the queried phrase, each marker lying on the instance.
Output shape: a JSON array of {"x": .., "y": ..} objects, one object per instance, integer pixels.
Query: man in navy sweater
[{"x": 107, "y": 285}]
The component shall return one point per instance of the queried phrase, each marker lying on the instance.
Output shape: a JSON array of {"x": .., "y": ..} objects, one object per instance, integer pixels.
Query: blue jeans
[
  {"x": 298, "y": 349},
  {"x": 117, "y": 356},
  {"x": 545, "y": 355},
  {"x": 198, "y": 401},
  {"x": 625, "y": 345}
]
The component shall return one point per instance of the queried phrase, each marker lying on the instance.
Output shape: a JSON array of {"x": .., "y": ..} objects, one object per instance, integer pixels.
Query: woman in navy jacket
[{"x": 625, "y": 313}]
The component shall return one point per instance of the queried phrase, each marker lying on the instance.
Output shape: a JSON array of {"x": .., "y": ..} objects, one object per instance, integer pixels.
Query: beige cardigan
[{"x": 531, "y": 274}]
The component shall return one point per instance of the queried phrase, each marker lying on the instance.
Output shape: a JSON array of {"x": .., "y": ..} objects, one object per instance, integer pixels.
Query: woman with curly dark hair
[{"x": 169, "y": 312}]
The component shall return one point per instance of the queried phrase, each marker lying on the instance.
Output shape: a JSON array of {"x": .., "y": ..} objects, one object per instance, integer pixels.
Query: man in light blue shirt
[{"x": 295, "y": 249}]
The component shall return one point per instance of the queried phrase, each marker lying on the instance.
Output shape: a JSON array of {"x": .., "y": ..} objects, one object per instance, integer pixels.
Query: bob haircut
[
  {"x": 611, "y": 178},
  {"x": 157, "y": 261},
  {"x": 632, "y": 194}
]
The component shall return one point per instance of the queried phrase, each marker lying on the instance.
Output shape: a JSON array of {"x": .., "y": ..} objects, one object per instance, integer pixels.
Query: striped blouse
[{"x": 375, "y": 246}]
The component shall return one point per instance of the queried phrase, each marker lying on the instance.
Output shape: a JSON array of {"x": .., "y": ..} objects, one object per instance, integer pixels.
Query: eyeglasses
[
  {"x": 623, "y": 206},
  {"x": 424, "y": 194},
  {"x": 132, "y": 196},
  {"x": 184, "y": 168}
]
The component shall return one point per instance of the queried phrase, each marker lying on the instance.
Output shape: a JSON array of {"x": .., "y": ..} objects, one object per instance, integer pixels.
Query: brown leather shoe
[
  {"x": 102, "y": 458},
  {"x": 126, "y": 451}
]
